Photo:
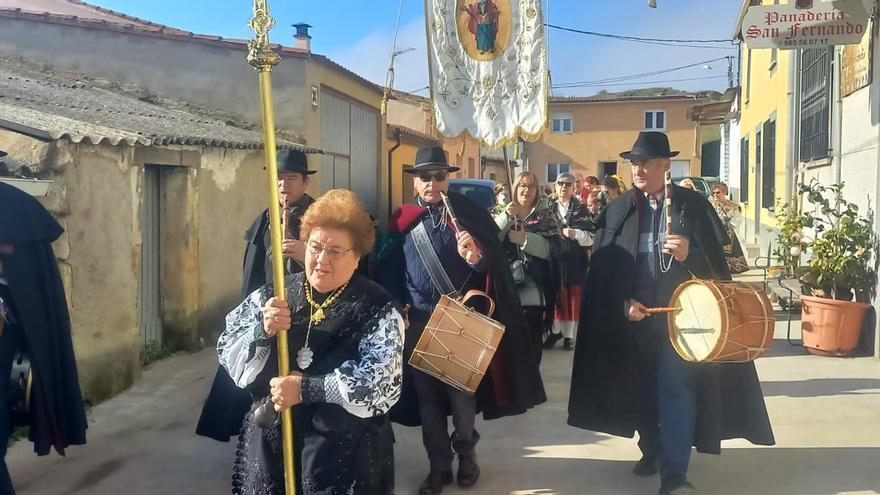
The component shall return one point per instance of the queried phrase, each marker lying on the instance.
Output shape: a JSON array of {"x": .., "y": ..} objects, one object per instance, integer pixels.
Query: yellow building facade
[
  {"x": 587, "y": 135},
  {"x": 411, "y": 126},
  {"x": 767, "y": 154}
]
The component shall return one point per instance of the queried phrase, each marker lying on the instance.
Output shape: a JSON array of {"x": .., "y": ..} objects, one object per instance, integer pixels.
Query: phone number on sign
[{"x": 811, "y": 42}]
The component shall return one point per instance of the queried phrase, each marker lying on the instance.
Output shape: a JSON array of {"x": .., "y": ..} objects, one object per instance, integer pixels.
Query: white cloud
[{"x": 369, "y": 57}]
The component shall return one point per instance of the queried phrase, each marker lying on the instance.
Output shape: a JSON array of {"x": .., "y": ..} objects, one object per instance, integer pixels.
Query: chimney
[{"x": 302, "y": 40}]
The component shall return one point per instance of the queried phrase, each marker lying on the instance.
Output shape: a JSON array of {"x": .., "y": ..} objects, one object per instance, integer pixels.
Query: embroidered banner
[{"x": 488, "y": 68}]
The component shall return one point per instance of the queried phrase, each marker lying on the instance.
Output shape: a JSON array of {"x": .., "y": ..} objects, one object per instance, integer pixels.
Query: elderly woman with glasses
[
  {"x": 532, "y": 239},
  {"x": 346, "y": 343},
  {"x": 575, "y": 220},
  {"x": 731, "y": 217}
]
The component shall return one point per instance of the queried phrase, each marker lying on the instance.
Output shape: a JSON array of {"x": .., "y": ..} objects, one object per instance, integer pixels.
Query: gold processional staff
[{"x": 263, "y": 59}]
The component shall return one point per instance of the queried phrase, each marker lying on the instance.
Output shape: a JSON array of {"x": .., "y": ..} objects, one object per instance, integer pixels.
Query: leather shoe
[
  {"x": 552, "y": 339},
  {"x": 468, "y": 470},
  {"x": 684, "y": 488},
  {"x": 435, "y": 482},
  {"x": 647, "y": 466}
]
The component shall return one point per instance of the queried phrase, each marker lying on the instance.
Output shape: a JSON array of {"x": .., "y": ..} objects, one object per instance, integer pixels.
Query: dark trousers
[
  {"x": 9, "y": 341},
  {"x": 536, "y": 326},
  {"x": 436, "y": 399},
  {"x": 668, "y": 414}
]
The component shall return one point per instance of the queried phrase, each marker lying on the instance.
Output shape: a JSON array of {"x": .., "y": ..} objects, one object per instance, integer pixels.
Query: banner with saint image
[{"x": 488, "y": 68}]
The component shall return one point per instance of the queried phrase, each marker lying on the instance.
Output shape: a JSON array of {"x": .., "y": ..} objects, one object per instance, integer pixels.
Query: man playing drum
[
  {"x": 627, "y": 377},
  {"x": 470, "y": 258}
]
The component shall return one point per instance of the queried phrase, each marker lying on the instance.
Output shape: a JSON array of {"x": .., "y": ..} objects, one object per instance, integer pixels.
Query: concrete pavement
[{"x": 825, "y": 413}]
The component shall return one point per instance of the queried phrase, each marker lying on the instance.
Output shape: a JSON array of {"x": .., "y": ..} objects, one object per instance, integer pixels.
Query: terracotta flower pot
[{"x": 831, "y": 328}]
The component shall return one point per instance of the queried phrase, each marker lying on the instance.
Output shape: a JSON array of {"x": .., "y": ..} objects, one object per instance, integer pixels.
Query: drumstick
[{"x": 654, "y": 311}]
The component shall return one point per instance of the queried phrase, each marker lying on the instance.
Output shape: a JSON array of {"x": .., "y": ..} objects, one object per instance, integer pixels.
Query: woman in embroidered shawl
[
  {"x": 346, "y": 347},
  {"x": 574, "y": 219},
  {"x": 532, "y": 239},
  {"x": 731, "y": 217}
]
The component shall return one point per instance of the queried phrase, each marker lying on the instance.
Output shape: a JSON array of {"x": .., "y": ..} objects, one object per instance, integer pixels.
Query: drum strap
[{"x": 432, "y": 263}]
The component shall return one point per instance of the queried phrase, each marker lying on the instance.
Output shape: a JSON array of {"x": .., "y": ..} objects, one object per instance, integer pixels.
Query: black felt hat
[
  {"x": 650, "y": 144},
  {"x": 293, "y": 161},
  {"x": 429, "y": 159}
]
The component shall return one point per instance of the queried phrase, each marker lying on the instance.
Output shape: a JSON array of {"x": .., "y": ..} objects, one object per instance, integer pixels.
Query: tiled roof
[
  {"x": 617, "y": 97},
  {"x": 76, "y": 8},
  {"x": 55, "y": 105},
  {"x": 72, "y": 12},
  {"x": 393, "y": 129}
]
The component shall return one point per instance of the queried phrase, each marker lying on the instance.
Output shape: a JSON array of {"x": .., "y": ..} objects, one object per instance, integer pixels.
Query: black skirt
[{"x": 354, "y": 457}]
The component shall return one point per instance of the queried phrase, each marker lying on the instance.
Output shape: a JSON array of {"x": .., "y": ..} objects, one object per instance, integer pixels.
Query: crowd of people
[{"x": 581, "y": 264}]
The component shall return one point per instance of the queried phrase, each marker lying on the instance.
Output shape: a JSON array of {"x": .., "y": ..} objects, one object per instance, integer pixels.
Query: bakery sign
[{"x": 805, "y": 24}]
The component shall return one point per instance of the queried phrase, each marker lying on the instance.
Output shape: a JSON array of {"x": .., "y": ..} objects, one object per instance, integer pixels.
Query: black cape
[
  {"x": 605, "y": 376},
  {"x": 513, "y": 383},
  {"x": 572, "y": 262},
  {"x": 226, "y": 404},
  {"x": 57, "y": 418}
]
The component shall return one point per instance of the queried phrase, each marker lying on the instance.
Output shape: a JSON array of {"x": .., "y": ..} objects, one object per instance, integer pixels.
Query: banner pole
[{"x": 263, "y": 59}]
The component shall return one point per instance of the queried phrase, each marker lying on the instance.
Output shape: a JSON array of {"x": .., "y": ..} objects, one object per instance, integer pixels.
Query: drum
[
  {"x": 720, "y": 322},
  {"x": 458, "y": 343}
]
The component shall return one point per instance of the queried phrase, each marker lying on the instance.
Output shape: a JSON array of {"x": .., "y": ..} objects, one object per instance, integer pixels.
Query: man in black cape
[
  {"x": 626, "y": 375},
  {"x": 226, "y": 405},
  {"x": 473, "y": 259},
  {"x": 35, "y": 322}
]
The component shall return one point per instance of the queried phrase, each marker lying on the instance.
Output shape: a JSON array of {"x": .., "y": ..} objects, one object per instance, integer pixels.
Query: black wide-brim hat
[
  {"x": 430, "y": 159},
  {"x": 650, "y": 144},
  {"x": 293, "y": 161}
]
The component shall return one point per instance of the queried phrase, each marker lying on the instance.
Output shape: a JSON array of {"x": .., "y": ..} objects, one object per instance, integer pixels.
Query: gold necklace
[{"x": 318, "y": 309}]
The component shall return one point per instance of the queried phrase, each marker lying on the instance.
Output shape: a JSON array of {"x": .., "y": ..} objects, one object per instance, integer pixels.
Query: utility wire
[
  {"x": 635, "y": 38},
  {"x": 652, "y": 41},
  {"x": 641, "y": 82},
  {"x": 636, "y": 76}
]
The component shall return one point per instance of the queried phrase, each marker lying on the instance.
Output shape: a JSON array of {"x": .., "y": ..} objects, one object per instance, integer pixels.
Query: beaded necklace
[
  {"x": 318, "y": 309},
  {"x": 316, "y": 316}
]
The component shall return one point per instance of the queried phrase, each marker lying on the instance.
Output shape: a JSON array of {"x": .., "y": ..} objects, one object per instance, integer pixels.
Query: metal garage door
[{"x": 350, "y": 139}]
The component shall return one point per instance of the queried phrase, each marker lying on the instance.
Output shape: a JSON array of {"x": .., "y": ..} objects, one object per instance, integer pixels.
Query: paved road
[{"x": 825, "y": 412}]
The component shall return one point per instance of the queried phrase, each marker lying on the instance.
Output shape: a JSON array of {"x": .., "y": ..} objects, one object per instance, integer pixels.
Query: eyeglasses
[
  {"x": 564, "y": 184},
  {"x": 332, "y": 252},
  {"x": 436, "y": 176}
]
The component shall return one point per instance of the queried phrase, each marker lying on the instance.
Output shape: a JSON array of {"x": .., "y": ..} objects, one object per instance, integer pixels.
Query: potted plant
[
  {"x": 841, "y": 276},
  {"x": 790, "y": 241}
]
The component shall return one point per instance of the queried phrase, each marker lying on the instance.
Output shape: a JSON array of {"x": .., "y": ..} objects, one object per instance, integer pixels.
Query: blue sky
[{"x": 359, "y": 33}]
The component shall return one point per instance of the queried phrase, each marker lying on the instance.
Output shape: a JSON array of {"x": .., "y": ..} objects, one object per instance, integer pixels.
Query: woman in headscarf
[
  {"x": 347, "y": 341},
  {"x": 532, "y": 238}
]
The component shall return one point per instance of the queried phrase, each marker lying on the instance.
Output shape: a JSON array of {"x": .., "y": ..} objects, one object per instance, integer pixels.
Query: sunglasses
[
  {"x": 436, "y": 176},
  {"x": 564, "y": 184}
]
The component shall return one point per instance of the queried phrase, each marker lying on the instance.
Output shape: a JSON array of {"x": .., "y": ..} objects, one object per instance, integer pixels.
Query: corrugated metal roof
[{"x": 58, "y": 105}]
